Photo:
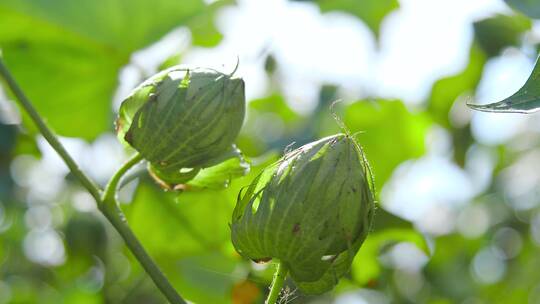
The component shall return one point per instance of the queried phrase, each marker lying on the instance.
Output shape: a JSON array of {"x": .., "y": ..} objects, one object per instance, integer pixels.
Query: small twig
[
  {"x": 112, "y": 186},
  {"x": 131, "y": 175}
]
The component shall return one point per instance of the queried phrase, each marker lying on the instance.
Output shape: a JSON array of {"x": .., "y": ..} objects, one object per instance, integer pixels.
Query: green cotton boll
[
  {"x": 183, "y": 119},
  {"x": 311, "y": 210}
]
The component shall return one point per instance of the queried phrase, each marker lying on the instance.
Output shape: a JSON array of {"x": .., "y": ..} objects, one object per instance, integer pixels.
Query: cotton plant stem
[
  {"x": 115, "y": 215},
  {"x": 106, "y": 200},
  {"x": 277, "y": 283},
  {"x": 130, "y": 176},
  {"x": 110, "y": 208},
  {"x": 112, "y": 185}
]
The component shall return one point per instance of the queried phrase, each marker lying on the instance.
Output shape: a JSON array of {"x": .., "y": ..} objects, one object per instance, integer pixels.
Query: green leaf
[
  {"x": 389, "y": 134},
  {"x": 387, "y": 229},
  {"x": 386, "y": 220},
  {"x": 445, "y": 91},
  {"x": 202, "y": 26},
  {"x": 206, "y": 278},
  {"x": 270, "y": 124},
  {"x": 366, "y": 267},
  {"x": 8, "y": 134},
  {"x": 274, "y": 104},
  {"x": 85, "y": 236},
  {"x": 530, "y": 8},
  {"x": 67, "y": 54},
  {"x": 182, "y": 225},
  {"x": 525, "y": 100},
  {"x": 372, "y": 12},
  {"x": 500, "y": 31},
  {"x": 171, "y": 61}
]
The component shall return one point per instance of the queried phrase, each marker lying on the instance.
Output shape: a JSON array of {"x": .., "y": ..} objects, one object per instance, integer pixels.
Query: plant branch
[
  {"x": 277, "y": 283},
  {"x": 112, "y": 185},
  {"x": 132, "y": 175},
  {"x": 107, "y": 204},
  {"x": 114, "y": 214},
  {"x": 92, "y": 188},
  {"x": 111, "y": 209}
]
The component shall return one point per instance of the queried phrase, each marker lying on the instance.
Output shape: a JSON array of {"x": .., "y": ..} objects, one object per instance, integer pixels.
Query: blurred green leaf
[
  {"x": 171, "y": 61},
  {"x": 203, "y": 30},
  {"x": 80, "y": 297},
  {"x": 525, "y": 100},
  {"x": 450, "y": 262},
  {"x": 372, "y": 12},
  {"x": 69, "y": 63},
  {"x": 274, "y": 104},
  {"x": 8, "y": 133},
  {"x": 8, "y": 136},
  {"x": 386, "y": 220},
  {"x": 270, "y": 124},
  {"x": 207, "y": 278},
  {"x": 85, "y": 236},
  {"x": 500, "y": 31},
  {"x": 390, "y": 134},
  {"x": 446, "y": 90},
  {"x": 366, "y": 266},
  {"x": 182, "y": 225},
  {"x": 520, "y": 284},
  {"x": 530, "y": 8}
]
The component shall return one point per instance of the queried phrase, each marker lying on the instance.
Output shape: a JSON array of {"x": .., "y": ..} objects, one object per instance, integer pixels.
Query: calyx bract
[
  {"x": 183, "y": 119},
  {"x": 311, "y": 210}
]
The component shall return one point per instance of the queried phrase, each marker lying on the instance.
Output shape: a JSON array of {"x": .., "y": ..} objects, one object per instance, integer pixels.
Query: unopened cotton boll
[
  {"x": 311, "y": 210},
  {"x": 182, "y": 120}
]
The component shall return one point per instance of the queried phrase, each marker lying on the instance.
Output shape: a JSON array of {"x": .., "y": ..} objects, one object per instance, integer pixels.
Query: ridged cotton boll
[
  {"x": 182, "y": 120},
  {"x": 311, "y": 210}
]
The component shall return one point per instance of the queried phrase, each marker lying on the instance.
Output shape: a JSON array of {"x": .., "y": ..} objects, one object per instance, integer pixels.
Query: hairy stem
[
  {"x": 107, "y": 204},
  {"x": 277, "y": 283}
]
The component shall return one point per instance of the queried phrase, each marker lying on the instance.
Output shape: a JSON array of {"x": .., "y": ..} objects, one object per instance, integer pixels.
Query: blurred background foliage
[{"x": 458, "y": 218}]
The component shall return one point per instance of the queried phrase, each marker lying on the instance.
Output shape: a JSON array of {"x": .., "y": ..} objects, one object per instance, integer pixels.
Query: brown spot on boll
[{"x": 296, "y": 228}]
